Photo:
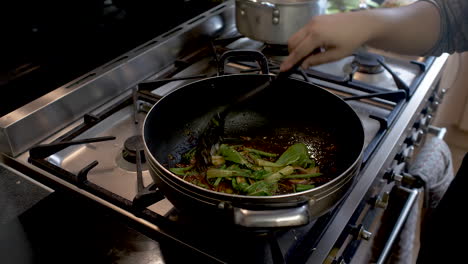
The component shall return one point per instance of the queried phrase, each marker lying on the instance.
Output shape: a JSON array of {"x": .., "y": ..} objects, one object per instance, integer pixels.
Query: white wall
[{"x": 454, "y": 112}]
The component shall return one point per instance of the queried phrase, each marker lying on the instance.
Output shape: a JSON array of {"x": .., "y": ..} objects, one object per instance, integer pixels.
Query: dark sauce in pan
[{"x": 321, "y": 144}]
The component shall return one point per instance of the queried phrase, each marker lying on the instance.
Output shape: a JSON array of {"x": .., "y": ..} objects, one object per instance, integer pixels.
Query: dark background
[
  {"x": 40, "y": 227},
  {"x": 45, "y": 44}
]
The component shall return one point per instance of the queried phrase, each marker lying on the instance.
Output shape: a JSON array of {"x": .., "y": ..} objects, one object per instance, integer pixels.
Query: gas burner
[
  {"x": 368, "y": 62},
  {"x": 131, "y": 146}
]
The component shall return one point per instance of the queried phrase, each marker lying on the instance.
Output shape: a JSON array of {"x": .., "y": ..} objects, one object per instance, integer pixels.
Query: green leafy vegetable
[
  {"x": 262, "y": 153},
  {"x": 188, "y": 156},
  {"x": 218, "y": 180},
  {"x": 304, "y": 187},
  {"x": 261, "y": 188},
  {"x": 260, "y": 174},
  {"x": 266, "y": 163},
  {"x": 216, "y": 173},
  {"x": 232, "y": 155},
  {"x": 240, "y": 186},
  {"x": 254, "y": 172},
  {"x": 295, "y": 155},
  {"x": 181, "y": 171},
  {"x": 275, "y": 177}
]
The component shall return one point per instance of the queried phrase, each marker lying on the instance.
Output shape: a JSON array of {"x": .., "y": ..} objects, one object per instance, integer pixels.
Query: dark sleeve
[{"x": 454, "y": 26}]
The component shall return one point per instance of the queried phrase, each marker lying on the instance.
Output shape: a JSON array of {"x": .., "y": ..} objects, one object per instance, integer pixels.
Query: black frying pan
[{"x": 293, "y": 111}]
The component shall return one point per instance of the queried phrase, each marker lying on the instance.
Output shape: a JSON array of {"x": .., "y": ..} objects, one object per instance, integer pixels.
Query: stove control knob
[
  {"x": 360, "y": 233},
  {"x": 433, "y": 103},
  {"x": 397, "y": 178},
  {"x": 428, "y": 120},
  {"x": 394, "y": 174},
  {"x": 442, "y": 93},
  {"x": 405, "y": 155},
  {"x": 419, "y": 123},
  {"x": 435, "y": 106},
  {"x": 427, "y": 110},
  {"x": 437, "y": 96},
  {"x": 382, "y": 200},
  {"x": 423, "y": 123},
  {"x": 415, "y": 137},
  {"x": 363, "y": 234}
]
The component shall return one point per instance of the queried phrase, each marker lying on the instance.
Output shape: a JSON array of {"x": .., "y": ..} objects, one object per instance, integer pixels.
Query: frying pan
[{"x": 290, "y": 112}]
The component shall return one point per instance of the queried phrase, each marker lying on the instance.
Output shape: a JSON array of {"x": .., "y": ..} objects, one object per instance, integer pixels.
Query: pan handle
[
  {"x": 284, "y": 217},
  {"x": 251, "y": 55}
]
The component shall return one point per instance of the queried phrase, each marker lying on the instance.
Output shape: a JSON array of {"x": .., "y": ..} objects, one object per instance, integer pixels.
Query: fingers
[
  {"x": 338, "y": 34},
  {"x": 297, "y": 38},
  {"x": 328, "y": 55},
  {"x": 303, "y": 45}
]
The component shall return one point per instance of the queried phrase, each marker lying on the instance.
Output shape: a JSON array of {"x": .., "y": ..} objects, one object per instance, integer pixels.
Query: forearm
[{"x": 412, "y": 29}]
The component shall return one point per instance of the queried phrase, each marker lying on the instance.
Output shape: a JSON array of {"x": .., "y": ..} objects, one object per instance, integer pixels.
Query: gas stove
[{"x": 85, "y": 137}]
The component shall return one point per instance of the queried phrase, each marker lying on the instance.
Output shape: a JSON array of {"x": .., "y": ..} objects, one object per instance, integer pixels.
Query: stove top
[{"x": 92, "y": 140}]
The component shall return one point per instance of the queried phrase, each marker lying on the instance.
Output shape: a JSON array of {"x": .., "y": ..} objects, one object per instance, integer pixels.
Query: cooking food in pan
[
  {"x": 245, "y": 169},
  {"x": 293, "y": 112}
]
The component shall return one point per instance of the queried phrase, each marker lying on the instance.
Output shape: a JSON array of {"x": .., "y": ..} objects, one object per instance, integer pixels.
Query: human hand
[
  {"x": 402, "y": 29},
  {"x": 338, "y": 35}
]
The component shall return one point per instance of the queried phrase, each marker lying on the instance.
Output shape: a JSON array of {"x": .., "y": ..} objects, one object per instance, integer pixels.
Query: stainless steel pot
[{"x": 274, "y": 21}]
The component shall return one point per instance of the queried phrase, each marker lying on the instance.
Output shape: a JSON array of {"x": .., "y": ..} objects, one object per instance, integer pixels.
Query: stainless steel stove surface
[{"x": 390, "y": 93}]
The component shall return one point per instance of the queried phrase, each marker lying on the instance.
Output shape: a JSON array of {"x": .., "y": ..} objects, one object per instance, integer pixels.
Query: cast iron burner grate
[{"x": 276, "y": 52}]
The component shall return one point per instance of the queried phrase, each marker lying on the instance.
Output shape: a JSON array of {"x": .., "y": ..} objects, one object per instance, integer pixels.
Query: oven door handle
[
  {"x": 413, "y": 195},
  {"x": 437, "y": 131}
]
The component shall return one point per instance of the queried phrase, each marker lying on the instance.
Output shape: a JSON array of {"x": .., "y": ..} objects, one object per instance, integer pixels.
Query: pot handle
[
  {"x": 251, "y": 55},
  {"x": 283, "y": 217}
]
